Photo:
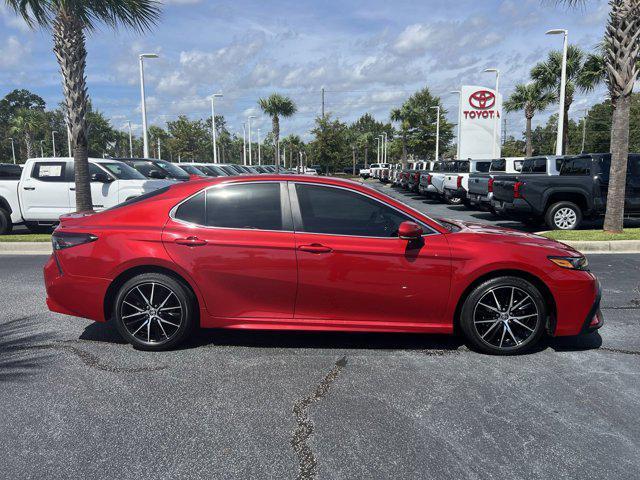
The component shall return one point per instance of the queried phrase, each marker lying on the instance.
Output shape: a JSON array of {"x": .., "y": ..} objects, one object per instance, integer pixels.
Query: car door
[
  {"x": 352, "y": 267},
  {"x": 632, "y": 196},
  {"x": 44, "y": 194},
  {"x": 237, "y": 243}
]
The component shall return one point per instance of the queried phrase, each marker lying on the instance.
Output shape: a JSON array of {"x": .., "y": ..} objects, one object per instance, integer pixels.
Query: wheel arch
[
  {"x": 4, "y": 204},
  {"x": 129, "y": 273},
  {"x": 577, "y": 196},
  {"x": 535, "y": 280}
]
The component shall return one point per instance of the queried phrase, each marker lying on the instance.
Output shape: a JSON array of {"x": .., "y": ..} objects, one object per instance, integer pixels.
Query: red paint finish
[{"x": 287, "y": 280}]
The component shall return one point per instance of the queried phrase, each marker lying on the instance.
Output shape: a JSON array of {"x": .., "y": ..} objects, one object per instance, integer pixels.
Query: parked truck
[
  {"x": 46, "y": 189},
  {"x": 480, "y": 192},
  {"x": 456, "y": 184}
]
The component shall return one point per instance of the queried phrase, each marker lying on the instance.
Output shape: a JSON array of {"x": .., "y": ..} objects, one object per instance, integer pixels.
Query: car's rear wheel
[
  {"x": 504, "y": 316},
  {"x": 153, "y": 311},
  {"x": 453, "y": 200},
  {"x": 5, "y": 222},
  {"x": 564, "y": 216}
]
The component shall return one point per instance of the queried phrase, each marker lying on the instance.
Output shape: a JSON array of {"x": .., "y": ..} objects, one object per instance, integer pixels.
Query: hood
[{"x": 493, "y": 234}]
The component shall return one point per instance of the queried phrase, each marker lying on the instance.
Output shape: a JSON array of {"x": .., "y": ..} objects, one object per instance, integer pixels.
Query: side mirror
[
  {"x": 409, "y": 231},
  {"x": 156, "y": 174},
  {"x": 101, "y": 177}
]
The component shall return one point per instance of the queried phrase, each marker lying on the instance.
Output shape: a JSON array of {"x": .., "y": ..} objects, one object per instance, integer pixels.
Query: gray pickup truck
[
  {"x": 578, "y": 191},
  {"x": 481, "y": 184}
]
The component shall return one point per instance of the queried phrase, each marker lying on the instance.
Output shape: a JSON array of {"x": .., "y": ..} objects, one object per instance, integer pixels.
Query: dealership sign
[{"x": 480, "y": 119}]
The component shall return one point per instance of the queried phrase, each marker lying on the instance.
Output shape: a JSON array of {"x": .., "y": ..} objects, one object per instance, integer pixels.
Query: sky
[{"x": 369, "y": 56}]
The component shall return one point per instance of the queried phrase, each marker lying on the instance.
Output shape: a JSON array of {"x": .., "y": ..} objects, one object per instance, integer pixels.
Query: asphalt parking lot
[{"x": 79, "y": 403}]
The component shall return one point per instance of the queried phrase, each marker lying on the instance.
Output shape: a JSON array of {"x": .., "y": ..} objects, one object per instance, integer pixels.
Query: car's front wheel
[
  {"x": 564, "y": 216},
  {"x": 154, "y": 311},
  {"x": 504, "y": 316}
]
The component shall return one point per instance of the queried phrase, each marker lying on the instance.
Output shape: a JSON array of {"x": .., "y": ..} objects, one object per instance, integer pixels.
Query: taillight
[
  {"x": 62, "y": 240},
  {"x": 416, "y": 176},
  {"x": 516, "y": 190},
  {"x": 490, "y": 185},
  {"x": 459, "y": 183},
  {"x": 428, "y": 179}
]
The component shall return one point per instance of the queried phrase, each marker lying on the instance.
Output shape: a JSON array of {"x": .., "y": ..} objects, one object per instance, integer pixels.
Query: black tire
[
  {"x": 491, "y": 332},
  {"x": 5, "y": 222},
  {"x": 563, "y": 216},
  {"x": 139, "y": 287}
]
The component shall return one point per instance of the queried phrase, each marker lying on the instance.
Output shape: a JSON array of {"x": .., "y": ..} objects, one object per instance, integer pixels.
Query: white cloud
[{"x": 13, "y": 52}]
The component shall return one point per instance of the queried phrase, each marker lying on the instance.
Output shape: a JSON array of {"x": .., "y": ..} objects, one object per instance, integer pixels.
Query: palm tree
[
  {"x": 70, "y": 20},
  {"x": 621, "y": 51},
  {"x": 547, "y": 75},
  {"x": 530, "y": 98},
  {"x": 26, "y": 123},
  {"x": 277, "y": 106}
]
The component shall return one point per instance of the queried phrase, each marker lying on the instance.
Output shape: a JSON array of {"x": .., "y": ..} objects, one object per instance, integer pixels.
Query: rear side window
[
  {"x": 483, "y": 167},
  {"x": 10, "y": 172},
  {"x": 462, "y": 167},
  {"x": 250, "y": 205},
  {"x": 499, "y": 165},
  {"x": 193, "y": 210},
  {"x": 576, "y": 166},
  {"x": 535, "y": 165},
  {"x": 49, "y": 172}
]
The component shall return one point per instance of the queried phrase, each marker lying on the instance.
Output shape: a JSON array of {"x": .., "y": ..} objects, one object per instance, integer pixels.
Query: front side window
[
  {"x": 122, "y": 171},
  {"x": 49, "y": 172},
  {"x": 336, "y": 211}
]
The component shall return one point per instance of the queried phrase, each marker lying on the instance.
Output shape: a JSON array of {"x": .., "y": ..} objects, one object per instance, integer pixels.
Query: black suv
[
  {"x": 579, "y": 191},
  {"x": 157, "y": 169}
]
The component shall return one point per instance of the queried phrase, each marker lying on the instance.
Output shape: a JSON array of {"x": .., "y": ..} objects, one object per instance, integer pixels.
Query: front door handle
[
  {"x": 315, "y": 248},
  {"x": 191, "y": 242},
  {"x": 29, "y": 188}
]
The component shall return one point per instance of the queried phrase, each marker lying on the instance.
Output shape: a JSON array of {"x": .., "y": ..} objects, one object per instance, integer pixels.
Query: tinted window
[
  {"x": 251, "y": 205},
  {"x": 49, "y": 172},
  {"x": 483, "y": 166},
  {"x": 93, "y": 169},
  {"x": 193, "y": 210},
  {"x": 122, "y": 171},
  {"x": 174, "y": 171},
  {"x": 534, "y": 165},
  {"x": 145, "y": 168},
  {"x": 192, "y": 170},
  {"x": 10, "y": 172},
  {"x": 575, "y": 166},
  {"x": 499, "y": 165},
  {"x": 342, "y": 212},
  {"x": 462, "y": 167}
]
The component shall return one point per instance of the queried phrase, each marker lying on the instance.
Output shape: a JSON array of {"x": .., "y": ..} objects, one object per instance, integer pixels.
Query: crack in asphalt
[
  {"x": 620, "y": 350},
  {"x": 91, "y": 360},
  {"x": 307, "y": 462}
]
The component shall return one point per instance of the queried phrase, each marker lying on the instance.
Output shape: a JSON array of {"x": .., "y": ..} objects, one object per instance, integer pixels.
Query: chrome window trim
[{"x": 419, "y": 222}]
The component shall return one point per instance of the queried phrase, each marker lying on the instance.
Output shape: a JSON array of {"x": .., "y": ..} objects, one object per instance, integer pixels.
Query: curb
[
  {"x": 616, "y": 246},
  {"x": 25, "y": 248}
]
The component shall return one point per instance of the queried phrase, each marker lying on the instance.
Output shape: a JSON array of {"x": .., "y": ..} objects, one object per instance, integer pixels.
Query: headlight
[{"x": 572, "y": 263}]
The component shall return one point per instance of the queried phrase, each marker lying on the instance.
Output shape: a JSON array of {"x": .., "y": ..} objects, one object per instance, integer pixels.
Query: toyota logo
[{"x": 482, "y": 99}]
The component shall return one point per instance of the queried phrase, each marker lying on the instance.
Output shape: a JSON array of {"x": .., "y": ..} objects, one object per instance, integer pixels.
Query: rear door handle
[
  {"x": 29, "y": 188},
  {"x": 315, "y": 248},
  {"x": 191, "y": 242}
]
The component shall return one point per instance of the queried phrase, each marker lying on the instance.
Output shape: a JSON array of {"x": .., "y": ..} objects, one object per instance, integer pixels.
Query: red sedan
[{"x": 310, "y": 253}]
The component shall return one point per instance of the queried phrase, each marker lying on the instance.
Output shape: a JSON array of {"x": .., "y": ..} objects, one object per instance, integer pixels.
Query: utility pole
[
  {"x": 145, "y": 138},
  {"x": 41, "y": 149},
  {"x": 244, "y": 143},
  {"x": 353, "y": 151},
  {"x": 437, "y": 109},
  {"x": 213, "y": 125},
  {"x": 584, "y": 129},
  {"x": 323, "y": 102},
  {"x": 130, "y": 142},
  {"x": 384, "y": 148},
  {"x": 249, "y": 121},
  {"x": 69, "y": 140},
  {"x": 284, "y": 157},
  {"x": 13, "y": 151},
  {"x": 563, "y": 88},
  {"x": 53, "y": 141}
]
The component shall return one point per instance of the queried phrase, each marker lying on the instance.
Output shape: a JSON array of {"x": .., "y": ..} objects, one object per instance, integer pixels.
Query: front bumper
[{"x": 595, "y": 319}]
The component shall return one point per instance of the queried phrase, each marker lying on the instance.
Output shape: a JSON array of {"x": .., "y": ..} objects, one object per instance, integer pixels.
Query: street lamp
[
  {"x": 145, "y": 138},
  {"x": 13, "y": 150},
  {"x": 459, "y": 93},
  {"x": 563, "y": 85},
  {"x": 130, "y": 141},
  {"x": 69, "y": 140},
  {"x": 384, "y": 148},
  {"x": 378, "y": 148},
  {"x": 496, "y": 140},
  {"x": 259, "y": 154},
  {"x": 213, "y": 125},
  {"x": 244, "y": 143},
  {"x": 437, "y": 109},
  {"x": 249, "y": 122},
  {"x": 53, "y": 141}
]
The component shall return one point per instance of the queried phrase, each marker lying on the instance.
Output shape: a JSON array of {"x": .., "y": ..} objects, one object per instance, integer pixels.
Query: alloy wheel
[
  {"x": 565, "y": 218},
  {"x": 151, "y": 312},
  {"x": 506, "y": 317}
]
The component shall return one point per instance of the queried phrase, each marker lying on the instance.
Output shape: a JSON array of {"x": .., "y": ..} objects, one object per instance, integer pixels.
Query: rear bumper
[
  {"x": 427, "y": 189},
  {"x": 74, "y": 295},
  {"x": 478, "y": 199},
  {"x": 455, "y": 193}
]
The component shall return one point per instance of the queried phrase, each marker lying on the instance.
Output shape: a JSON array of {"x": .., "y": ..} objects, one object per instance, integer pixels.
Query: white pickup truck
[
  {"x": 46, "y": 190},
  {"x": 456, "y": 183}
]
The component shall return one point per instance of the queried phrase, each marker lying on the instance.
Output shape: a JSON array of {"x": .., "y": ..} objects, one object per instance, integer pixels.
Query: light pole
[
  {"x": 244, "y": 143},
  {"x": 459, "y": 93},
  {"x": 249, "y": 122},
  {"x": 384, "y": 148},
  {"x": 259, "y": 154},
  {"x": 213, "y": 125},
  {"x": 496, "y": 140},
  {"x": 13, "y": 150},
  {"x": 130, "y": 141},
  {"x": 563, "y": 86},
  {"x": 584, "y": 128},
  {"x": 145, "y": 138},
  {"x": 378, "y": 148},
  {"x": 53, "y": 141},
  {"x": 437, "y": 109},
  {"x": 159, "y": 153},
  {"x": 69, "y": 140}
]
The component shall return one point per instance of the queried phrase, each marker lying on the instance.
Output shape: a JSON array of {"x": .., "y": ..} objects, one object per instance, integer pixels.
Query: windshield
[
  {"x": 122, "y": 171},
  {"x": 174, "y": 171},
  {"x": 191, "y": 169}
]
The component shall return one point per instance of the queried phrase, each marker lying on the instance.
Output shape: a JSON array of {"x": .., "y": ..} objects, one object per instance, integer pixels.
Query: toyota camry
[{"x": 309, "y": 253}]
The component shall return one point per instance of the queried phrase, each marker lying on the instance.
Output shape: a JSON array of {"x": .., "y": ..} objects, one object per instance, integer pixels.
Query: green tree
[
  {"x": 27, "y": 123},
  {"x": 530, "y": 98},
  {"x": 190, "y": 139},
  {"x": 621, "y": 51},
  {"x": 331, "y": 147},
  {"x": 70, "y": 20},
  {"x": 579, "y": 77},
  {"x": 291, "y": 146},
  {"x": 365, "y": 130},
  {"x": 277, "y": 106},
  {"x": 401, "y": 116}
]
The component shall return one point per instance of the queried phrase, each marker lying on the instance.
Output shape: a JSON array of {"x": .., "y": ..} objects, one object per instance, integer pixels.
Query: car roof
[{"x": 71, "y": 159}]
